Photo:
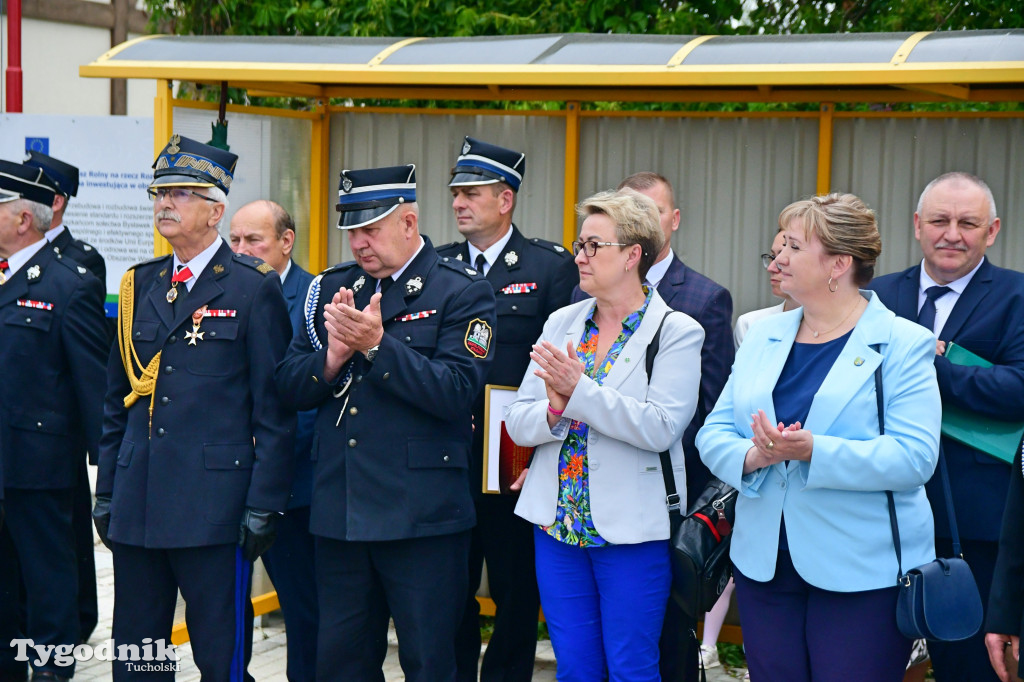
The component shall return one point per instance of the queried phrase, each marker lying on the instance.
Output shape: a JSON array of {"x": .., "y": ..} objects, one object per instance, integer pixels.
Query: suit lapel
[
  {"x": 156, "y": 294},
  {"x": 206, "y": 287},
  {"x": 17, "y": 286},
  {"x": 409, "y": 285},
  {"x": 907, "y": 291},
  {"x": 503, "y": 270},
  {"x": 674, "y": 278},
  {"x": 977, "y": 289},
  {"x": 634, "y": 353}
]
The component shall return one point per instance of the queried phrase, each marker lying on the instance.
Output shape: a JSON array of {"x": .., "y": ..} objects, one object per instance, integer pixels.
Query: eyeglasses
[
  {"x": 590, "y": 247},
  {"x": 767, "y": 259},
  {"x": 177, "y": 195}
]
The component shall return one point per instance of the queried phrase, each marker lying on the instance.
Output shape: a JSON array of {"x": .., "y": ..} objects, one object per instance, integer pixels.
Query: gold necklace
[{"x": 846, "y": 317}]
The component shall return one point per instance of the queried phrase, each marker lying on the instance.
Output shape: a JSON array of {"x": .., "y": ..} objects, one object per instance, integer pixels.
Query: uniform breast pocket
[
  {"x": 28, "y": 318},
  {"x": 420, "y": 335},
  {"x": 518, "y": 319},
  {"x": 213, "y": 353}
]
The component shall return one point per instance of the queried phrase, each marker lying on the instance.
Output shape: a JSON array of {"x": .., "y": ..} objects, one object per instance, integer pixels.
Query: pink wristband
[{"x": 557, "y": 413}]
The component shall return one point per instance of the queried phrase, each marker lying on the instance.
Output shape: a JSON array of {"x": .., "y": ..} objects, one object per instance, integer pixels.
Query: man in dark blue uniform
[
  {"x": 396, "y": 349},
  {"x": 263, "y": 229},
  {"x": 194, "y": 455},
  {"x": 531, "y": 278},
  {"x": 64, "y": 178},
  {"x": 52, "y": 350}
]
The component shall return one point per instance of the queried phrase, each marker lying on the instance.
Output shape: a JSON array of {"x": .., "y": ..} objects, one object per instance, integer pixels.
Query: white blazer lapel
[{"x": 634, "y": 354}]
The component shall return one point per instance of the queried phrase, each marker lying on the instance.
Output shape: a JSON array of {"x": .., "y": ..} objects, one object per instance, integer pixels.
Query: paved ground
[{"x": 268, "y": 652}]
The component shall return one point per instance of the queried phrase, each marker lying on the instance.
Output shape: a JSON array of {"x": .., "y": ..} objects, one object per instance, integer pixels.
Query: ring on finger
[{"x": 771, "y": 444}]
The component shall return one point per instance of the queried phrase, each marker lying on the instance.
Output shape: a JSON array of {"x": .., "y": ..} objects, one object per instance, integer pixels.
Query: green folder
[{"x": 994, "y": 437}]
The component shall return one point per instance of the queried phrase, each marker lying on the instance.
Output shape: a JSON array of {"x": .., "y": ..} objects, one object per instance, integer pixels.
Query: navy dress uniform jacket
[
  {"x": 1006, "y": 600},
  {"x": 395, "y": 464},
  {"x": 521, "y": 311},
  {"x": 988, "y": 319},
  {"x": 82, "y": 253},
  {"x": 220, "y": 438},
  {"x": 53, "y": 369}
]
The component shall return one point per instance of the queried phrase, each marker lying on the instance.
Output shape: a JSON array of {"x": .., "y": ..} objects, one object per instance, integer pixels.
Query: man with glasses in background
[{"x": 194, "y": 457}]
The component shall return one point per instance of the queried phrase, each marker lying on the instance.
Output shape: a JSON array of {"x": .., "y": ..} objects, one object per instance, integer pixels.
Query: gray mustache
[{"x": 168, "y": 215}]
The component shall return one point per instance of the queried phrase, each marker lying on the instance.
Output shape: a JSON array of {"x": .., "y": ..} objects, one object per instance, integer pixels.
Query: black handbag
[
  {"x": 698, "y": 542},
  {"x": 939, "y": 600}
]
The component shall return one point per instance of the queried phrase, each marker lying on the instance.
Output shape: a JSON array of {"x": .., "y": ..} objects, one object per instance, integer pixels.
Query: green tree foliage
[{"x": 849, "y": 16}]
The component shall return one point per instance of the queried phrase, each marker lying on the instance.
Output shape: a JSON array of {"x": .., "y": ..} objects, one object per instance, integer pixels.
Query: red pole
[{"x": 13, "y": 73}]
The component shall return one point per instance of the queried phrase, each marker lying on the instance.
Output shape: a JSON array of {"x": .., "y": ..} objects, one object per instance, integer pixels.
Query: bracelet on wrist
[{"x": 557, "y": 413}]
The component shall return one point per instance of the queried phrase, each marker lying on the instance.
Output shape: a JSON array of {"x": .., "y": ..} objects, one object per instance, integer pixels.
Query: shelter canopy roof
[{"x": 960, "y": 65}]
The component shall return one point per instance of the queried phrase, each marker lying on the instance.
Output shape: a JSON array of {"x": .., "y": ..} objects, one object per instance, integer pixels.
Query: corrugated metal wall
[
  {"x": 432, "y": 142},
  {"x": 732, "y": 174}
]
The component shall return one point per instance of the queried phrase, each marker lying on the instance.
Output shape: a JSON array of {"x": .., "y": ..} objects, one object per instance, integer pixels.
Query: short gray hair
[
  {"x": 42, "y": 215},
  {"x": 218, "y": 195},
  {"x": 962, "y": 177}
]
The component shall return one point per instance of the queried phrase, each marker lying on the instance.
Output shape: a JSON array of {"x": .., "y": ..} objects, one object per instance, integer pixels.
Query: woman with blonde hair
[
  {"x": 798, "y": 432},
  {"x": 595, "y": 489}
]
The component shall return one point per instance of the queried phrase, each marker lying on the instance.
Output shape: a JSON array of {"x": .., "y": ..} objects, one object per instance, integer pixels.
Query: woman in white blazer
[
  {"x": 796, "y": 431},
  {"x": 595, "y": 488}
]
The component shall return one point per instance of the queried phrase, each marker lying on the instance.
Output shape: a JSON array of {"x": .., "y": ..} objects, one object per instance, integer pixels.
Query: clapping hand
[
  {"x": 559, "y": 371},
  {"x": 776, "y": 443}
]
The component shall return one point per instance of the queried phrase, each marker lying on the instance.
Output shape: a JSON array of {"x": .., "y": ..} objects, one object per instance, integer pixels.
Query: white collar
[
  {"x": 287, "y": 269},
  {"x": 199, "y": 263},
  {"x": 659, "y": 269},
  {"x": 492, "y": 252},
  {"x": 53, "y": 233},
  {"x": 957, "y": 285},
  {"x": 398, "y": 273},
  {"x": 20, "y": 258}
]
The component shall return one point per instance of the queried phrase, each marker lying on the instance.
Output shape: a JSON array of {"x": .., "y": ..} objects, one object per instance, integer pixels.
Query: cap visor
[
  {"x": 467, "y": 179},
  {"x": 179, "y": 181},
  {"x": 350, "y": 220}
]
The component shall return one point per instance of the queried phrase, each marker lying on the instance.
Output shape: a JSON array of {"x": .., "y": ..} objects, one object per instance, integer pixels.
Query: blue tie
[{"x": 926, "y": 317}]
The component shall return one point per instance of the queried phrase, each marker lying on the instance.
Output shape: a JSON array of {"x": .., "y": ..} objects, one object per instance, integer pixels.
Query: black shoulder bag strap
[
  {"x": 888, "y": 493},
  {"x": 671, "y": 495}
]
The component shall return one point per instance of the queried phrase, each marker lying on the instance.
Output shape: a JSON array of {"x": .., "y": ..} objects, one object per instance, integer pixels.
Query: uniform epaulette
[
  {"x": 257, "y": 264},
  {"x": 451, "y": 245},
  {"x": 72, "y": 266},
  {"x": 459, "y": 266},
  {"x": 339, "y": 267},
  {"x": 84, "y": 246},
  {"x": 147, "y": 262},
  {"x": 557, "y": 248}
]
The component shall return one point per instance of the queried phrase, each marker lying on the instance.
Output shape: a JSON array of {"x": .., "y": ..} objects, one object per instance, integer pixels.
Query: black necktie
[
  {"x": 179, "y": 301},
  {"x": 385, "y": 284},
  {"x": 481, "y": 263},
  {"x": 926, "y": 317}
]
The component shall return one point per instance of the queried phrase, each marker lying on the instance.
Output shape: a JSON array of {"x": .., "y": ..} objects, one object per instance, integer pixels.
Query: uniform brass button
[
  {"x": 408, "y": 339},
  {"x": 137, "y": 335},
  {"x": 160, "y": 432},
  {"x": 353, "y": 411},
  {"x": 359, "y": 378},
  {"x": 386, "y": 375},
  {"x": 515, "y": 307},
  {"x": 212, "y": 334},
  {"x": 39, "y": 425},
  {"x": 352, "y": 443},
  {"x": 173, "y": 339},
  {"x": 164, "y": 400},
  {"x": 237, "y": 464},
  {"x": 168, "y": 370},
  {"x": 28, "y": 320},
  {"x": 446, "y": 458}
]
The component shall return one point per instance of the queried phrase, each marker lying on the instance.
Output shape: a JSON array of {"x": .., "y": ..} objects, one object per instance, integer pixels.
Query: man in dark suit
[
  {"x": 64, "y": 178},
  {"x": 1005, "y": 621},
  {"x": 393, "y": 376},
  {"x": 265, "y": 230},
  {"x": 194, "y": 456},
  {"x": 688, "y": 291},
  {"x": 965, "y": 299},
  {"x": 52, "y": 351},
  {"x": 531, "y": 278}
]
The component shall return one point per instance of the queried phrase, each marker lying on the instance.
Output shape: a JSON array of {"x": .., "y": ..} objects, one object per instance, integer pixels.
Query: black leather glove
[
  {"x": 101, "y": 519},
  {"x": 257, "y": 532}
]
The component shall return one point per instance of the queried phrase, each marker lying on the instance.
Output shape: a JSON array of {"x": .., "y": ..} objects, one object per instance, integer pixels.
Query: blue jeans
[{"x": 604, "y": 607}]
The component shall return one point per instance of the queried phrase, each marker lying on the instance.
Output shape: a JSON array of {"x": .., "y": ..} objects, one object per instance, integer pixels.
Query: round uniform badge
[{"x": 478, "y": 338}]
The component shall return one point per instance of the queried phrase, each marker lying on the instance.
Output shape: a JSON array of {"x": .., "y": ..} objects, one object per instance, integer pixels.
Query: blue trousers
[
  {"x": 795, "y": 632},
  {"x": 604, "y": 607}
]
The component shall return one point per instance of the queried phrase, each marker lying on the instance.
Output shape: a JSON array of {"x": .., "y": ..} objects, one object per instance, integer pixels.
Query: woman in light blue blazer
[
  {"x": 796, "y": 431},
  {"x": 595, "y": 488}
]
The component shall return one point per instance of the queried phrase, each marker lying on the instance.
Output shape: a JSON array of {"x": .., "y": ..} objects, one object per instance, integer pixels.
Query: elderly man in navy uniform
[
  {"x": 194, "y": 455},
  {"x": 531, "y": 278},
  {"x": 52, "y": 350},
  {"x": 396, "y": 350},
  {"x": 265, "y": 230},
  {"x": 64, "y": 178}
]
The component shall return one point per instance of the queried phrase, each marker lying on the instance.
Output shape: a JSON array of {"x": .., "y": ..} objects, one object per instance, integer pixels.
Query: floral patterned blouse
[{"x": 573, "y": 524}]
